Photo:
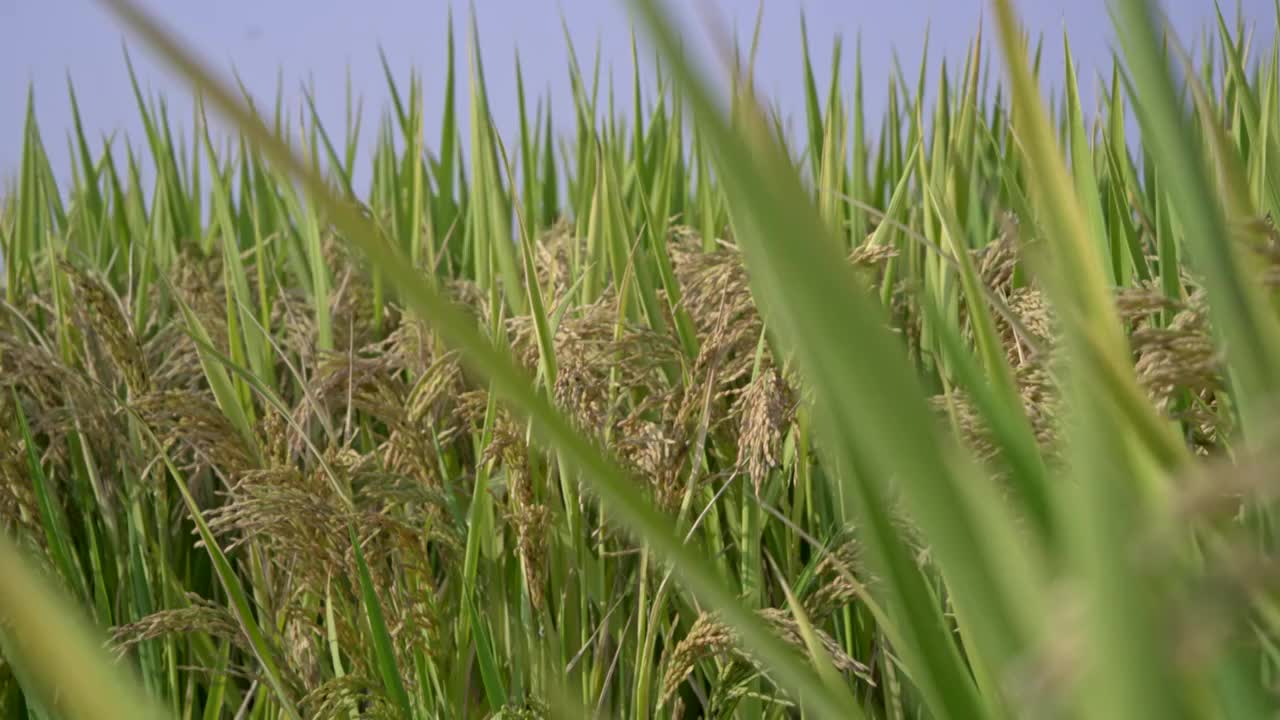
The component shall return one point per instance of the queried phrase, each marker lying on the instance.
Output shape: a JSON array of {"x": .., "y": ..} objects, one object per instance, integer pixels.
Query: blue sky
[{"x": 42, "y": 41}]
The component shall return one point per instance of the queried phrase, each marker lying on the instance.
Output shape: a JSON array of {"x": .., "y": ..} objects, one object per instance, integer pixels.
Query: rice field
[{"x": 963, "y": 411}]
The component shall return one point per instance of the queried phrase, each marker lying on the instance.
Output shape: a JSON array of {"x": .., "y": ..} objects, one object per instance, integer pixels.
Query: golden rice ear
[
  {"x": 108, "y": 321},
  {"x": 765, "y": 410},
  {"x": 199, "y": 616},
  {"x": 709, "y": 637}
]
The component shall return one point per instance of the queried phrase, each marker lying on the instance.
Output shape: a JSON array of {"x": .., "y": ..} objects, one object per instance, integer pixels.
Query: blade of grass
[
  {"x": 57, "y": 652},
  {"x": 1248, "y": 328},
  {"x": 1131, "y": 674},
  {"x": 810, "y": 295},
  {"x": 617, "y": 491},
  {"x": 382, "y": 644}
]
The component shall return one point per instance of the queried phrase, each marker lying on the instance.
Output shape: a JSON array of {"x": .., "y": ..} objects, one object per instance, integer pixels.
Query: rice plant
[{"x": 967, "y": 410}]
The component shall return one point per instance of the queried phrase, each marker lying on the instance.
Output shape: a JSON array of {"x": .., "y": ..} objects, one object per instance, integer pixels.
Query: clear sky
[{"x": 42, "y": 41}]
